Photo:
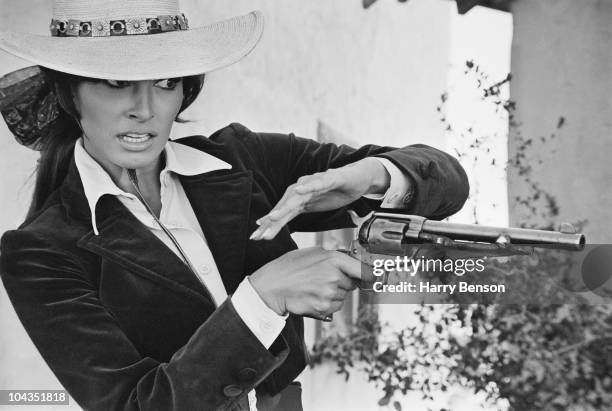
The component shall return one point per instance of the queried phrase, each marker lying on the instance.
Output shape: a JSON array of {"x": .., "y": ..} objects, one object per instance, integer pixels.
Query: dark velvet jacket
[{"x": 123, "y": 323}]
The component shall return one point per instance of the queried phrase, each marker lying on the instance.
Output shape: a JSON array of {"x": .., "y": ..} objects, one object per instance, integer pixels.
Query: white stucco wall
[
  {"x": 561, "y": 63},
  {"x": 374, "y": 74}
]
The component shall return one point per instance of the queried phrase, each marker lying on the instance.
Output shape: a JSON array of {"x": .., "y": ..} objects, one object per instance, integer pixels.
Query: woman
[{"x": 141, "y": 273}]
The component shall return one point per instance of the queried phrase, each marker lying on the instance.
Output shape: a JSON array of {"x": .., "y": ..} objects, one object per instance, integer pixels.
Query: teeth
[{"x": 135, "y": 138}]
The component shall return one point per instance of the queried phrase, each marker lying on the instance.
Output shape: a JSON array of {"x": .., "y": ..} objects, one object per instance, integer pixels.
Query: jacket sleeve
[
  {"x": 95, "y": 361},
  {"x": 439, "y": 184}
]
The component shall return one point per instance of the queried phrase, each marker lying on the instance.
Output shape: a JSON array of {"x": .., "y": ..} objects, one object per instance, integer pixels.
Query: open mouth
[{"x": 136, "y": 137}]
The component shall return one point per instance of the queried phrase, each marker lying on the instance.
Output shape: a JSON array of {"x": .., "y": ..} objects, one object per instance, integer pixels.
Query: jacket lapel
[
  {"x": 126, "y": 241},
  {"x": 221, "y": 201}
]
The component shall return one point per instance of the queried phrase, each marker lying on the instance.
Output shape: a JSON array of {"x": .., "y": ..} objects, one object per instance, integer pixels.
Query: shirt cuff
[
  {"x": 261, "y": 319},
  {"x": 400, "y": 187}
]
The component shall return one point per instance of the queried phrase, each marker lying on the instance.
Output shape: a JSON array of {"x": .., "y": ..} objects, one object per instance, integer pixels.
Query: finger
[
  {"x": 340, "y": 295},
  {"x": 348, "y": 265},
  {"x": 273, "y": 222},
  {"x": 327, "y": 309},
  {"x": 256, "y": 235},
  {"x": 329, "y": 294},
  {"x": 281, "y": 216},
  {"x": 290, "y": 202},
  {"x": 271, "y": 229},
  {"x": 264, "y": 222},
  {"x": 336, "y": 306},
  {"x": 345, "y": 283}
]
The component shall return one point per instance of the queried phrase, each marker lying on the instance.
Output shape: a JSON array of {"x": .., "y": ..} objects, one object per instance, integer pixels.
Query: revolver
[{"x": 388, "y": 234}]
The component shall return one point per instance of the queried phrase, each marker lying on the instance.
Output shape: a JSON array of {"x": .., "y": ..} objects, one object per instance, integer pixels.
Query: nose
[{"x": 142, "y": 108}]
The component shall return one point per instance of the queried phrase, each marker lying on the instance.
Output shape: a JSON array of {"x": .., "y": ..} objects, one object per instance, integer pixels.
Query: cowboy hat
[{"x": 133, "y": 40}]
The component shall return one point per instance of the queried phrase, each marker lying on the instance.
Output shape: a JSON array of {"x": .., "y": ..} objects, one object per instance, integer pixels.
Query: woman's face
[{"x": 127, "y": 123}]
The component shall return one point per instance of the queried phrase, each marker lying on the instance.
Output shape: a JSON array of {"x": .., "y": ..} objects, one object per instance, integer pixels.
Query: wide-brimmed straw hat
[
  {"x": 133, "y": 40},
  {"x": 116, "y": 40}
]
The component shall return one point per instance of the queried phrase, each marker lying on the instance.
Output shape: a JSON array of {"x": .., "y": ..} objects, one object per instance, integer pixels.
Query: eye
[
  {"x": 168, "y": 83},
  {"x": 118, "y": 83}
]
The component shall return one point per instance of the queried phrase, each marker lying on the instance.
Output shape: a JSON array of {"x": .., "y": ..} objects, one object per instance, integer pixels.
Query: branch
[{"x": 583, "y": 344}]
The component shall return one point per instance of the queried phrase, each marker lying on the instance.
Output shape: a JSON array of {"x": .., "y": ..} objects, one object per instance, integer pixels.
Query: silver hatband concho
[{"x": 119, "y": 27}]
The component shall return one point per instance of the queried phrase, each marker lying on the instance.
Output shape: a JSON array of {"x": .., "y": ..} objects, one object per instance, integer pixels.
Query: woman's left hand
[{"x": 324, "y": 191}]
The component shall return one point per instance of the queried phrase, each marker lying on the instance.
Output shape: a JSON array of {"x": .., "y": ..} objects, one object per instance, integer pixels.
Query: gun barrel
[
  {"x": 518, "y": 236},
  {"x": 390, "y": 231}
]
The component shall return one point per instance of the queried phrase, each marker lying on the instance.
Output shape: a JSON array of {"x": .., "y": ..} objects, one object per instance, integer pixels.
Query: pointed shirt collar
[{"x": 180, "y": 159}]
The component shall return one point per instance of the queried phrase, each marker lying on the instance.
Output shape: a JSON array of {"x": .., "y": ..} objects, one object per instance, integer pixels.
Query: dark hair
[{"x": 57, "y": 151}]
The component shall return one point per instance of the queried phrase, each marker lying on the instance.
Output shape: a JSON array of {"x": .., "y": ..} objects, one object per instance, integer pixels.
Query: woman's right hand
[{"x": 310, "y": 281}]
